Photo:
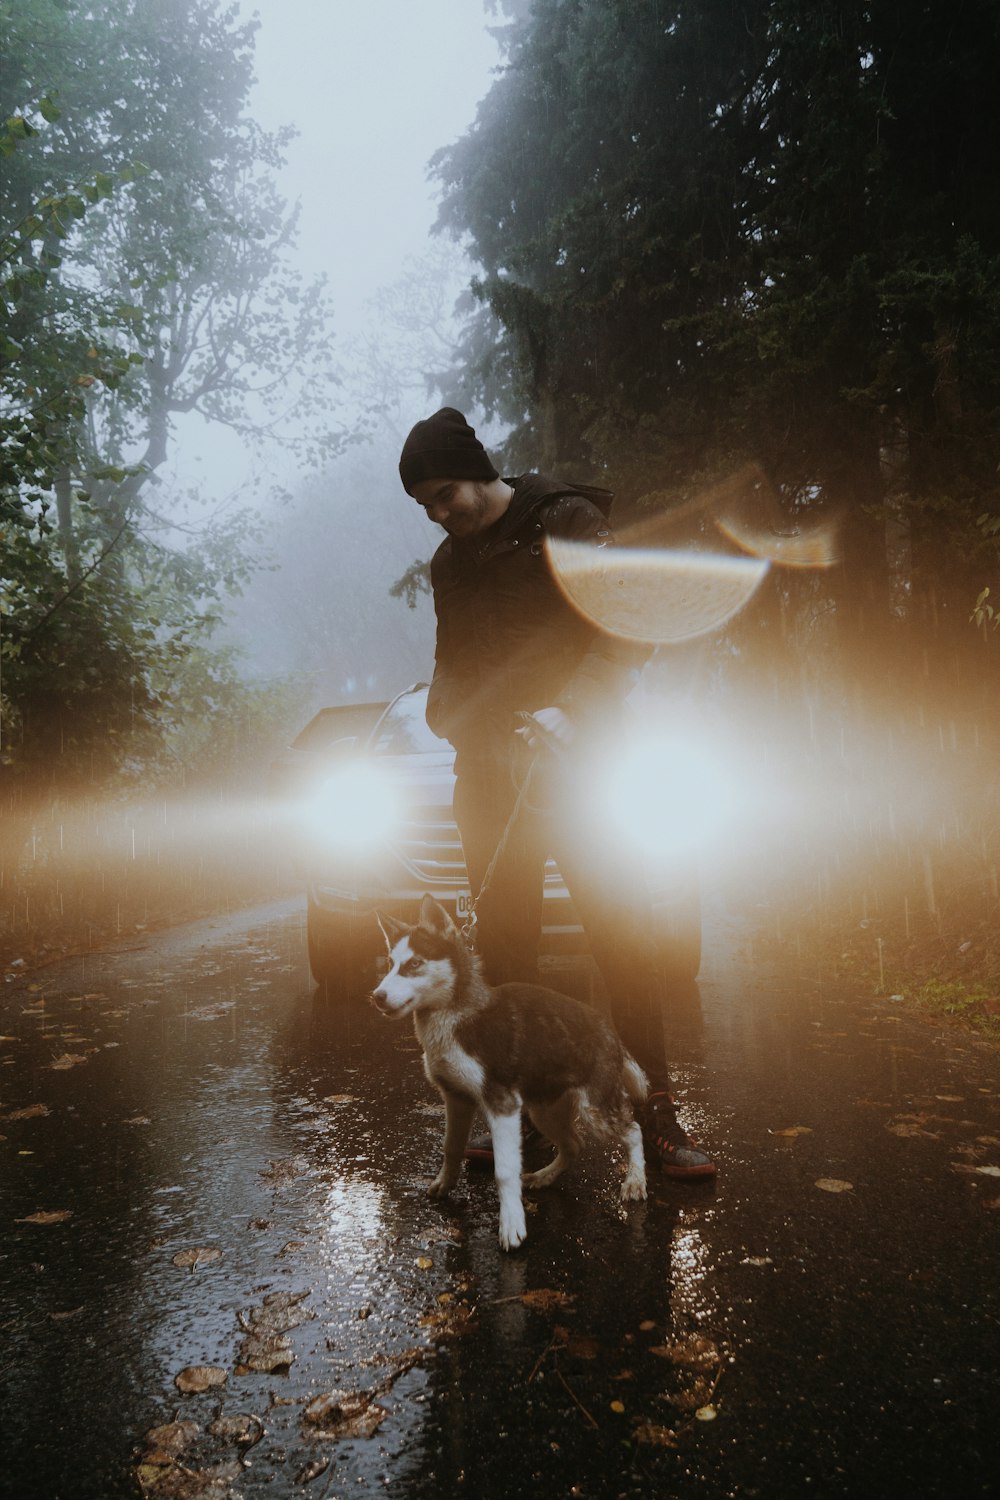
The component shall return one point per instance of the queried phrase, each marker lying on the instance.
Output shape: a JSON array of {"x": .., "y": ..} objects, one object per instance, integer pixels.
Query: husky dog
[{"x": 500, "y": 1049}]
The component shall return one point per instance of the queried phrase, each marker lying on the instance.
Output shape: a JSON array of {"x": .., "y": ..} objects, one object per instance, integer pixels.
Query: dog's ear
[
  {"x": 435, "y": 918},
  {"x": 392, "y": 929}
]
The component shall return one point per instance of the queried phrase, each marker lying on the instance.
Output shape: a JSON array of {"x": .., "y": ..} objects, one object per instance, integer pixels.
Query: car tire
[{"x": 341, "y": 949}]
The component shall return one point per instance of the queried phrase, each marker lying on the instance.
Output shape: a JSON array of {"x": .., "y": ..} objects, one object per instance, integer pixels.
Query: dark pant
[{"x": 560, "y": 817}]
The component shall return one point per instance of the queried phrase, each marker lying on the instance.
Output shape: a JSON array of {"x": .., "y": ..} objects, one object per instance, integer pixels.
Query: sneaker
[
  {"x": 479, "y": 1150},
  {"x": 668, "y": 1144}
]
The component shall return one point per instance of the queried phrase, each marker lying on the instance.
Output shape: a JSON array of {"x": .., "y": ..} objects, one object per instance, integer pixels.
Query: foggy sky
[{"x": 374, "y": 89}]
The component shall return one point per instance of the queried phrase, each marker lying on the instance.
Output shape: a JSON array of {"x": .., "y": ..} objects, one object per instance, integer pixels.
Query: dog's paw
[
  {"x": 634, "y": 1189},
  {"x": 441, "y": 1186},
  {"x": 513, "y": 1230},
  {"x": 543, "y": 1178}
]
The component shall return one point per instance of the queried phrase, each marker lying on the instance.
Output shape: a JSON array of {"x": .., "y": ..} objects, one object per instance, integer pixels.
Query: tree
[
  {"x": 142, "y": 302},
  {"x": 762, "y": 232}
]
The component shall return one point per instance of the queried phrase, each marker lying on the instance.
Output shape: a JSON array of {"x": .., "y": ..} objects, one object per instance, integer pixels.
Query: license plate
[{"x": 463, "y": 904}]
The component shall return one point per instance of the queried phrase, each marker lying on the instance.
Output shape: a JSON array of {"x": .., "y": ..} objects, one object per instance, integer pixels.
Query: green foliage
[{"x": 142, "y": 277}]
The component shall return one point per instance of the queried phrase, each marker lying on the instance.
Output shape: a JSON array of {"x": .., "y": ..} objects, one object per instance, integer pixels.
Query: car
[{"x": 371, "y": 790}]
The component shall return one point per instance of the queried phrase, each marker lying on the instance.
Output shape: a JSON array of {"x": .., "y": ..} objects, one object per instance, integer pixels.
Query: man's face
[{"x": 461, "y": 506}]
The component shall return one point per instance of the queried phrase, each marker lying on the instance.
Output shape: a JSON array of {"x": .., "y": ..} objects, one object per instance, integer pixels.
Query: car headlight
[
  {"x": 355, "y": 808},
  {"x": 667, "y": 795}
]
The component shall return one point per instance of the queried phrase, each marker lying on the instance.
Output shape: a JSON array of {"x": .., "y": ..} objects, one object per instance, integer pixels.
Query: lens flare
[
  {"x": 668, "y": 795},
  {"x": 355, "y": 808},
  {"x": 653, "y": 594}
]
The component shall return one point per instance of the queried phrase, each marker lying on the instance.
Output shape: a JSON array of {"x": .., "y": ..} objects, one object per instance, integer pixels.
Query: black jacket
[{"x": 507, "y": 637}]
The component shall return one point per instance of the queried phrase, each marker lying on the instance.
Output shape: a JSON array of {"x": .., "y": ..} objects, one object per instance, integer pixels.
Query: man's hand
[{"x": 547, "y": 729}]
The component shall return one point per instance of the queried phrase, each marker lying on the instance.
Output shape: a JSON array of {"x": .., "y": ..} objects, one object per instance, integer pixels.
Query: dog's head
[{"x": 424, "y": 962}]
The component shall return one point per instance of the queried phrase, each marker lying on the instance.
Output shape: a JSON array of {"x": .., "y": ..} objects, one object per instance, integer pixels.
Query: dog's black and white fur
[{"x": 500, "y": 1049}]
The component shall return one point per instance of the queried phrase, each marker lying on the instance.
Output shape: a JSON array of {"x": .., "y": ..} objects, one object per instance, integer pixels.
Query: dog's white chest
[{"x": 446, "y": 1062}]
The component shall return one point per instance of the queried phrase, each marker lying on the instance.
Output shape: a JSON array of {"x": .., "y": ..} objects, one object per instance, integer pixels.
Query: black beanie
[{"x": 443, "y": 446}]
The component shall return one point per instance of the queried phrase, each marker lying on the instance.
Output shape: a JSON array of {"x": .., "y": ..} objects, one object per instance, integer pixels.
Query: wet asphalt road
[{"x": 761, "y": 1337}]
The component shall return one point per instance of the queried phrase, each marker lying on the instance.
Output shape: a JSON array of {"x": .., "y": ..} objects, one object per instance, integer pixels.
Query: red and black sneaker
[
  {"x": 479, "y": 1149},
  {"x": 668, "y": 1144}
]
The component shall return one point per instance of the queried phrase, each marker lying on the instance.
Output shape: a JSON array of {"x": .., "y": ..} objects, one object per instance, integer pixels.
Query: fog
[{"x": 372, "y": 91}]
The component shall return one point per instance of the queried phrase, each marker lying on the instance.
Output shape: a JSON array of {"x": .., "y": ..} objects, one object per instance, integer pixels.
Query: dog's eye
[{"x": 412, "y": 966}]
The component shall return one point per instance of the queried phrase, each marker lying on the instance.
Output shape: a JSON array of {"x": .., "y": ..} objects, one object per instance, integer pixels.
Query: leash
[
  {"x": 469, "y": 925},
  {"x": 550, "y": 747}
]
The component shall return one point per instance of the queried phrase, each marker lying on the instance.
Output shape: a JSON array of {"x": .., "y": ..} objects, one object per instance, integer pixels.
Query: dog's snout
[{"x": 380, "y": 1000}]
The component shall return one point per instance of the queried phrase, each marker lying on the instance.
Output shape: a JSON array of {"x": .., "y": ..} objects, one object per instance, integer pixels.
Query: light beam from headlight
[{"x": 354, "y": 809}]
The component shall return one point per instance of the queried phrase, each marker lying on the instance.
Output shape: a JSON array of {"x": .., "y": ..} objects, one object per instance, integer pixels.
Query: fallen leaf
[
  {"x": 904, "y": 1129},
  {"x": 52, "y": 1216},
  {"x": 204, "y": 1255},
  {"x": 582, "y": 1346},
  {"x": 336, "y": 1415},
  {"x": 449, "y": 1322},
  {"x": 311, "y": 1471},
  {"x": 424, "y": 1262},
  {"x": 68, "y": 1060},
  {"x": 834, "y": 1185},
  {"x": 694, "y": 1398},
  {"x": 173, "y": 1437},
  {"x": 138, "y": 1120},
  {"x": 757, "y": 1260},
  {"x": 793, "y": 1130},
  {"x": 244, "y": 1429},
  {"x": 545, "y": 1297},
  {"x": 951, "y": 1098},
  {"x": 618, "y": 1406},
  {"x": 695, "y": 1352},
  {"x": 280, "y": 1173},
  {"x": 195, "y": 1378},
  {"x": 658, "y": 1437},
  {"x": 706, "y": 1414},
  {"x": 30, "y": 1112},
  {"x": 988, "y": 1171},
  {"x": 265, "y": 1355},
  {"x": 647, "y": 1325}
]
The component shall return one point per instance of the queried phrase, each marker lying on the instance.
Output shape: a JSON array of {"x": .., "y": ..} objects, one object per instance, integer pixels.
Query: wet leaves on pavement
[
  {"x": 834, "y": 1185},
  {"x": 655, "y": 1436},
  {"x": 30, "y": 1112},
  {"x": 47, "y": 1216},
  {"x": 544, "y": 1298},
  {"x": 194, "y": 1379},
  {"x": 280, "y": 1173},
  {"x": 244, "y": 1429},
  {"x": 267, "y": 1348},
  {"x": 694, "y": 1352},
  {"x": 201, "y": 1255},
  {"x": 336, "y": 1415},
  {"x": 170, "y": 1440}
]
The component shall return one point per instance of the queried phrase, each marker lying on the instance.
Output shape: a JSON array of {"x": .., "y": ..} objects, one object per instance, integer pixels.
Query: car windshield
[{"x": 403, "y": 729}]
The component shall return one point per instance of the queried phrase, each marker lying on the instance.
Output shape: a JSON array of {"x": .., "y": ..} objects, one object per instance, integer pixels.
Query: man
[{"x": 509, "y": 643}]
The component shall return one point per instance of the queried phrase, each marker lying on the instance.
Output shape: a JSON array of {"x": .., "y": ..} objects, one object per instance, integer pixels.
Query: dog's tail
[{"x": 636, "y": 1082}]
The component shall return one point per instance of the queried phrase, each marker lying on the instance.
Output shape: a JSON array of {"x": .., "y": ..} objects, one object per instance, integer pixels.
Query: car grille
[{"x": 430, "y": 848}]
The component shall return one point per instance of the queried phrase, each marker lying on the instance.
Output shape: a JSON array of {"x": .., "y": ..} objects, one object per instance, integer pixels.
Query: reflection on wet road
[{"x": 765, "y": 1337}]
